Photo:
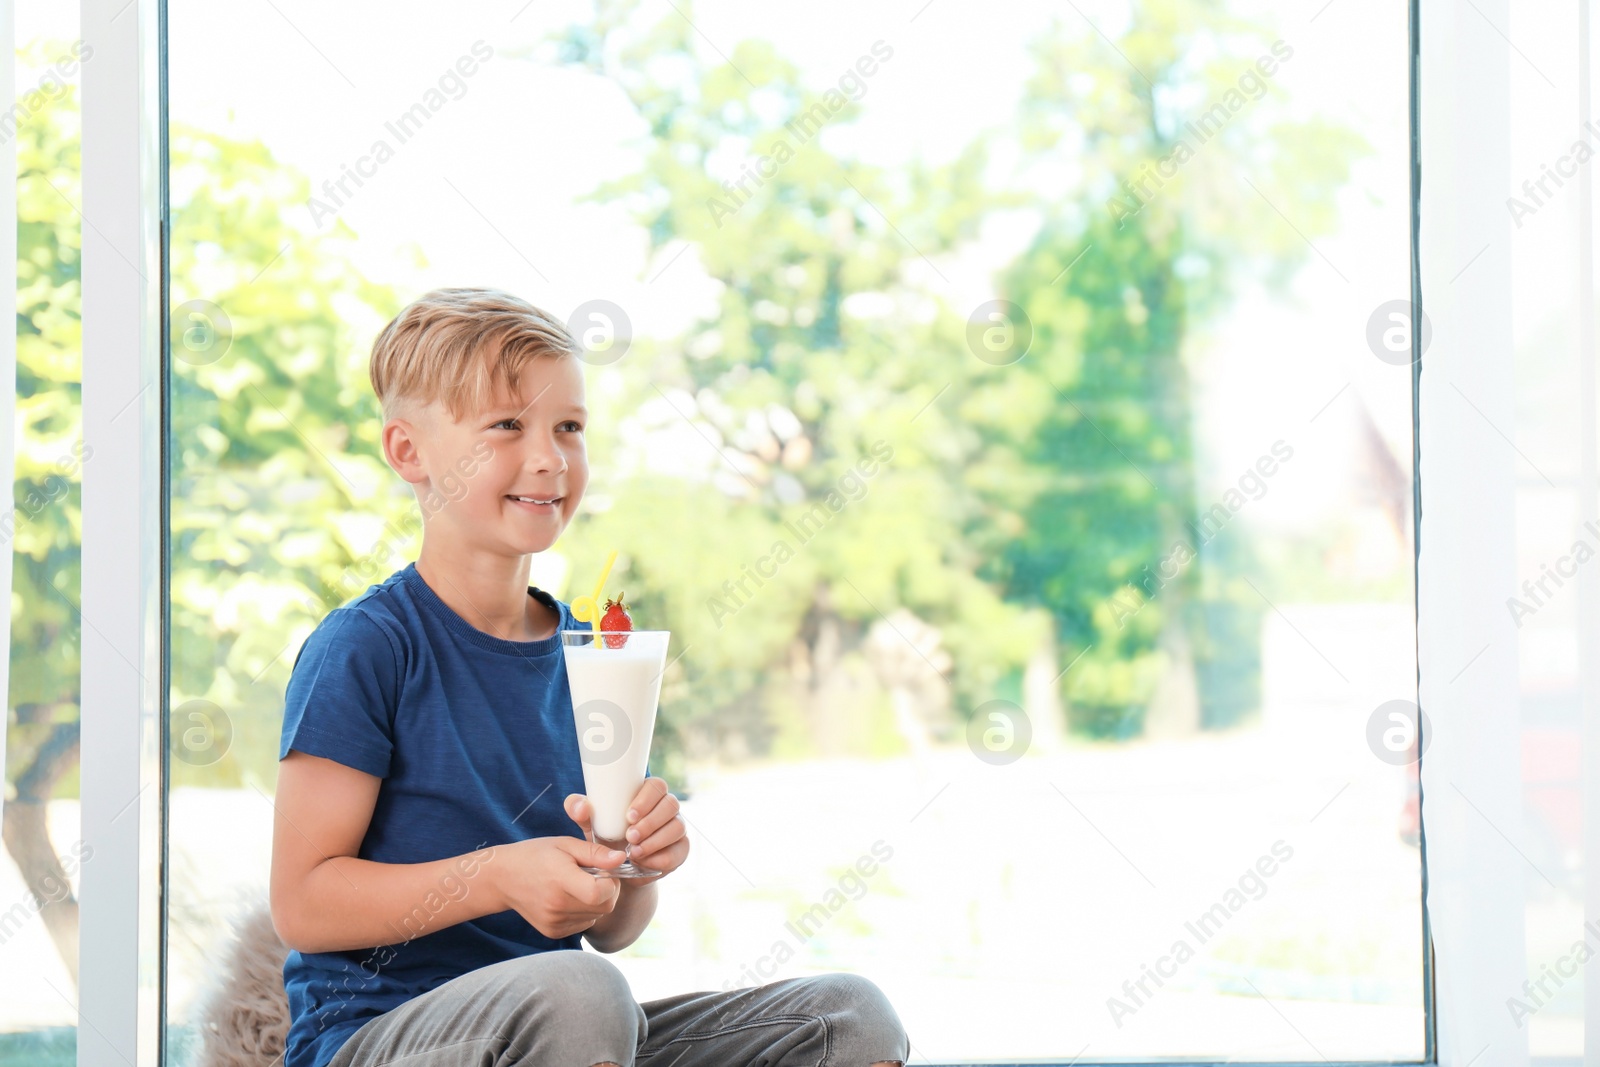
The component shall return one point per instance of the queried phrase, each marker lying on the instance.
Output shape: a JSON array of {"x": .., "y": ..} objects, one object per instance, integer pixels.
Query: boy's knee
[
  {"x": 863, "y": 1021},
  {"x": 589, "y": 996},
  {"x": 587, "y": 977},
  {"x": 846, "y": 991}
]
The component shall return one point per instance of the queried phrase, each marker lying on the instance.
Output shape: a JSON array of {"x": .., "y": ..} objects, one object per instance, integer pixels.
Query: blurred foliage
[
  {"x": 1057, "y": 482},
  {"x": 280, "y": 491},
  {"x": 1088, "y": 466},
  {"x": 43, "y": 530},
  {"x": 273, "y": 496},
  {"x": 796, "y": 379}
]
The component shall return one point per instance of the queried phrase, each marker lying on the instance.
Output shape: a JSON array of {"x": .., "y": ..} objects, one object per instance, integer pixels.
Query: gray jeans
[{"x": 573, "y": 1008}]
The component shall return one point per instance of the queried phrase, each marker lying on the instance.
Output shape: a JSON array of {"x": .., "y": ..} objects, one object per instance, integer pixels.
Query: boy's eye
[{"x": 570, "y": 426}]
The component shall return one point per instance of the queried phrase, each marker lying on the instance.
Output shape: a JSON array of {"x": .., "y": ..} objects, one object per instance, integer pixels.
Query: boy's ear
[{"x": 400, "y": 448}]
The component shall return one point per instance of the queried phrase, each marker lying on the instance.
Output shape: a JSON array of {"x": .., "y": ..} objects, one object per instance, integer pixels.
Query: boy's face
[{"x": 483, "y": 472}]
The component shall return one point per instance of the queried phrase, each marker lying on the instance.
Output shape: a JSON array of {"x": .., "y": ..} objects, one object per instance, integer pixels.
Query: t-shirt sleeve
[{"x": 342, "y": 694}]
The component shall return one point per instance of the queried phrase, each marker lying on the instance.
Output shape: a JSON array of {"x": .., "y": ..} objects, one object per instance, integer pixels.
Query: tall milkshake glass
[{"x": 615, "y": 684}]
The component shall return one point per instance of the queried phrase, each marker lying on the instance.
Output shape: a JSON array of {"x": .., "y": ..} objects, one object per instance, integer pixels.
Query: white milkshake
[{"x": 614, "y": 696}]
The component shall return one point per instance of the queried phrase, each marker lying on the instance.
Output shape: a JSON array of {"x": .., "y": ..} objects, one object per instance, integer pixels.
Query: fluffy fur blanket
[{"x": 244, "y": 1022}]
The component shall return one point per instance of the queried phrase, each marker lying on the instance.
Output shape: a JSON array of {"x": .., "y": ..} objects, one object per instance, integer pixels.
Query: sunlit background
[{"x": 1094, "y": 651}]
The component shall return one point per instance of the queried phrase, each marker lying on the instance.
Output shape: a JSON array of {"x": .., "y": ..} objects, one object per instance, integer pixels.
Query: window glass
[{"x": 1002, "y": 409}]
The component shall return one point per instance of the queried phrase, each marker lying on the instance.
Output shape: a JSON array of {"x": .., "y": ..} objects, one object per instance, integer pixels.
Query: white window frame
[{"x": 120, "y": 994}]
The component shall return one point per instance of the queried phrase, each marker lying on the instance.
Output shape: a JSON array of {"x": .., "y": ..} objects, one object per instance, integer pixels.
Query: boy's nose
[{"x": 545, "y": 458}]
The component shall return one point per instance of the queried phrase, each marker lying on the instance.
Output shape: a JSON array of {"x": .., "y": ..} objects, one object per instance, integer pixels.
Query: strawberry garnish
[{"x": 616, "y": 617}]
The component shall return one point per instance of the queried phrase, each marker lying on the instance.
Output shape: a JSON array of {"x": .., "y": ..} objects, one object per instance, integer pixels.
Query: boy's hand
[
  {"x": 540, "y": 879},
  {"x": 657, "y": 837}
]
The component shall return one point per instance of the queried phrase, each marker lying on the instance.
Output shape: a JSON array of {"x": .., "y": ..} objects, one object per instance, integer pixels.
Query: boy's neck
[{"x": 490, "y": 593}]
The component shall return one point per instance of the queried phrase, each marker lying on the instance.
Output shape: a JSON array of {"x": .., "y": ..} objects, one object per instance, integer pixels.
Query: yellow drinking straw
[{"x": 587, "y": 608}]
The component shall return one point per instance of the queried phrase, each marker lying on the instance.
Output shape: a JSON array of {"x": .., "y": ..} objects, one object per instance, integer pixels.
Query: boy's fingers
[
  {"x": 604, "y": 893},
  {"x": 591, "y": 893},
  {"x": 648, "y": 796},
  {"x": 602, "y": 856},
  {"x": 589, "y": 854},
  {"x": 665, "y": 812},
  {"x": 669, "y": 834}
]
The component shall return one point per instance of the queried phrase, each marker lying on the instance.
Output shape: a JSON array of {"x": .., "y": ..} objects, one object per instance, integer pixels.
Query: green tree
[{"x": 1189, "y": 165}]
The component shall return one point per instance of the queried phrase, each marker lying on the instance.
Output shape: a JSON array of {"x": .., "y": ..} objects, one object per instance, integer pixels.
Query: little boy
[{"x": 424, "y": 873}]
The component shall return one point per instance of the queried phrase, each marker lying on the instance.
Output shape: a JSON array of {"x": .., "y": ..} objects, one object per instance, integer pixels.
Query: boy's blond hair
[{"x": 462, "y": 347}]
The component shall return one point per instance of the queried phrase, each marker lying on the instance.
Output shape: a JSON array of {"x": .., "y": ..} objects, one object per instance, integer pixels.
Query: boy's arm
[{"x": 325, "y": 899}]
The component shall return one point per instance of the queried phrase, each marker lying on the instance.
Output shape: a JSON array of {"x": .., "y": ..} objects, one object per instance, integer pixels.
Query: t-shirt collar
[{"x": 467, "y": 632}]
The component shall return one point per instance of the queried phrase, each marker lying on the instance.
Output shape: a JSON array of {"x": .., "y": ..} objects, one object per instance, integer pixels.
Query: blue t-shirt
[{"x": 473, "y": 737}]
